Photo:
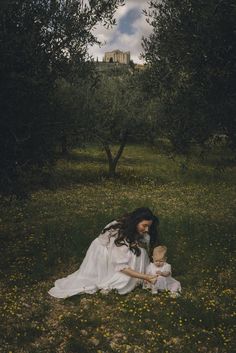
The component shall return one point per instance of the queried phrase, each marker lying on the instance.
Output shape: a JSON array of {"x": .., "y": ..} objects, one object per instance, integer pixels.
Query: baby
[{"x": 160, "y": 267}]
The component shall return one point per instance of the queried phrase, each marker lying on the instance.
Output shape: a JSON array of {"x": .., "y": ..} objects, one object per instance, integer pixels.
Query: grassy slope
[{"x": 46, "y": 237}]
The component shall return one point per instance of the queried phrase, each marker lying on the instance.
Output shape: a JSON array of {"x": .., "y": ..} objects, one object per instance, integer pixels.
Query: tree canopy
[
  {"x": 191, "y": 55},
  {"x": 42, "y": 41},
  {"x": 116, "y": 112}
]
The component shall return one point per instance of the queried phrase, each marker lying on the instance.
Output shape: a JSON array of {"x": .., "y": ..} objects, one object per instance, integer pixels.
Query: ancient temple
[{"x": 117, "y": 56}]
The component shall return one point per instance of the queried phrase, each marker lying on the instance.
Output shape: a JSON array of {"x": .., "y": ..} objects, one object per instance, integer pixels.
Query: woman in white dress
[{"x": 116, "y": 259}]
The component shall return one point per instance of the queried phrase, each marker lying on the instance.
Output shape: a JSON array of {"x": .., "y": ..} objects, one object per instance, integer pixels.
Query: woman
[{"x": 116, "y": 259}]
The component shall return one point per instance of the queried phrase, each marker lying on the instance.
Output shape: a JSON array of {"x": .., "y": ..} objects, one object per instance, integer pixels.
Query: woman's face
[{"x": 143, "y": 227}]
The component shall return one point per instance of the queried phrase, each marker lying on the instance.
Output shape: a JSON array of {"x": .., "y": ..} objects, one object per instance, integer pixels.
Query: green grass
[{"x": 46, "y": 237}]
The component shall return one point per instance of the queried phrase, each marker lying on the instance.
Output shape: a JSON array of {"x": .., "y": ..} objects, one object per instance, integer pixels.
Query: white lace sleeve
[{"x": 120, "y": 257}]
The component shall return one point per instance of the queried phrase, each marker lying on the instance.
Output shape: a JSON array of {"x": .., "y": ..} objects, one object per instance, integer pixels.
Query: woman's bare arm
[{"x": 135, "y": 274}]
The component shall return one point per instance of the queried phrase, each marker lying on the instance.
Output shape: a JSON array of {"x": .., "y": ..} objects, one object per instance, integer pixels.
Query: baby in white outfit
[{"x": 160, "y": 267}]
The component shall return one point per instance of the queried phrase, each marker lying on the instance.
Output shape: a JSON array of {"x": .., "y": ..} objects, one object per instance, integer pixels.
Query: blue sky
[
  {"x": 125, "y": 22},
  {"x": 127, "y": 34}
]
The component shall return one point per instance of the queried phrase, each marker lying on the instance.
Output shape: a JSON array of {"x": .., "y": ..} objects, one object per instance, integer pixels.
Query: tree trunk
[
  {"x": 64, "y": 146},
  {"x": 112, "y": 169},
  {"x": 112, "y": 161}
]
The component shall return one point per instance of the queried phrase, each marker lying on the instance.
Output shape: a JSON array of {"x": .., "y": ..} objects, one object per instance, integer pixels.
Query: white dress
[
  {"x": 162, "y": 283},
  {"x": 101, "y": 268}
]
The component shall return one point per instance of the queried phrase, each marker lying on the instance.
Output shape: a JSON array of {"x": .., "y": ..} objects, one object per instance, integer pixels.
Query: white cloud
[{"x": 114, "y": 39}]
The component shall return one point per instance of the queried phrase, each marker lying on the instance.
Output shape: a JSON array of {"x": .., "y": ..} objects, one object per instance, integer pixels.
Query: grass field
[{"x": 46, "y": 236}]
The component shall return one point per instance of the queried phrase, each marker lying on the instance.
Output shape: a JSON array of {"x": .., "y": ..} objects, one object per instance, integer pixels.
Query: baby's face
[{"x": 159, "y": 263}]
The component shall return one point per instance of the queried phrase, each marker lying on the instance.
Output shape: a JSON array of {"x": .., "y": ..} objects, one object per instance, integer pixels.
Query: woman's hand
[{"x": 151, "y": 279}]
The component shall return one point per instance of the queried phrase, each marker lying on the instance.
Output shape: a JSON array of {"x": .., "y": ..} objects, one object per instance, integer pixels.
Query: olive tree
[
  {"x": 115, "y": 115},
  {"x": 191, "y": 55},
  {"x": 41, "y": 42}
]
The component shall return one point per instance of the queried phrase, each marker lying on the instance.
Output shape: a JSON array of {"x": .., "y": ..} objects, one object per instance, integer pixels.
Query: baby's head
[{"x": 159, "y": 255}]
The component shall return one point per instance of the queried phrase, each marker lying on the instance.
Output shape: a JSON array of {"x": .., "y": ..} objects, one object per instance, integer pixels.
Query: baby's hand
[
  {"x": 152, "y": 279},
  {"x": 158, "y": 273}
]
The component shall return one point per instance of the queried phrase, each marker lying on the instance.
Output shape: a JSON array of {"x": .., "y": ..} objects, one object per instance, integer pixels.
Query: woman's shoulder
[
  {"x": 108, "y": 233},
  {"x": 110, "y": 225}
]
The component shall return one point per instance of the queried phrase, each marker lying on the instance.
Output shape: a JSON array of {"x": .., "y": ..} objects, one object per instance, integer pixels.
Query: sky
[{"x": 127, "y": 34}]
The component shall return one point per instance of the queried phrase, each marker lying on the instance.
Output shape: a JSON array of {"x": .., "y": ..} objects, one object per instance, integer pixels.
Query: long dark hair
[{"x": 127, "y": 229}]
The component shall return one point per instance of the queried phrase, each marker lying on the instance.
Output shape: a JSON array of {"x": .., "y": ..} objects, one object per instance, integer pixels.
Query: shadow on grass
[
  {"x": 90, "y": 167},
  {"x": 84, "y": 157},
  {"x": 98, "y": 158},
  {"x": 69, "y": 177}
]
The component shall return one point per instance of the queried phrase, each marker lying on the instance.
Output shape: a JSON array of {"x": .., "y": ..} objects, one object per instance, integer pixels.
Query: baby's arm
[{"x": 164, "y": 274}]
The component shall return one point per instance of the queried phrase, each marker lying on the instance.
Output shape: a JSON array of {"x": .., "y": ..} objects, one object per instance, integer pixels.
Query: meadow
[{"x": 45, "y": 237}]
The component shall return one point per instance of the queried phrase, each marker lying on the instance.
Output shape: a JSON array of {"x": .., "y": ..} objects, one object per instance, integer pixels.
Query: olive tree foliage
[
  {"x": 115, "y": 114},
  {"x": 191, "y": 57},
  {"x": 42, "y": 43},
  {"x": 69, "y": 109}
]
